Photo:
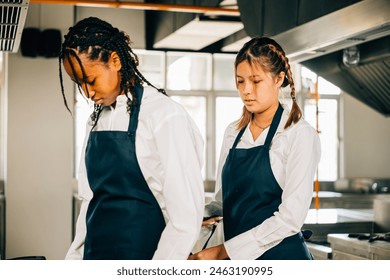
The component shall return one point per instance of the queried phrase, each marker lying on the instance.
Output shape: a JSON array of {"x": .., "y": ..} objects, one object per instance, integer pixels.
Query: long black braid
[{"x": 99, "y": 39}]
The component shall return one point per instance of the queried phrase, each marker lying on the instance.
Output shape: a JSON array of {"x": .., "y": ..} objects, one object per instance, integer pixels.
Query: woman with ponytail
[
  {"x": 265, "y": 177},
  {"x": 140, "y": 176}
]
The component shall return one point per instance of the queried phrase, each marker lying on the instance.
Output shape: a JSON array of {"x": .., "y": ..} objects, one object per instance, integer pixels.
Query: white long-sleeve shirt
[
  {"x": 169, "y": 150},
  {"x": 294, "y": 155}
]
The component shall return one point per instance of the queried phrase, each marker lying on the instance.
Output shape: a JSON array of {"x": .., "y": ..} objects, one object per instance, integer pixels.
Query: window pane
[
  {"x": 151, "y": 66},
  {"x": 327, "y": 122},
  {"x": 228, "y": 110},
  {"x": 308, "y": 78},
  {"x": 308, "y": 74},
  {"x": 196, "y": 107},
  {"x": 224, "y": 72},
  {"x": 188, "y": 71},
  {"x": 325, "y": 87}
]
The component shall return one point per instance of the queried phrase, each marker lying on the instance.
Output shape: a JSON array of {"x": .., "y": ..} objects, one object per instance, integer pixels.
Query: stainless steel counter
[
  {"x": 329, "y": 199},
  {"x": 337, "y": 220},
  {"x": 347, "y": 248}
]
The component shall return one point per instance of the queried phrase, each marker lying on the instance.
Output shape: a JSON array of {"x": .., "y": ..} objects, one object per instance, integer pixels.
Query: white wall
[
  {"x": 367, "y": 140},
  {"x": 3, "y": 115},
  {"x": 40, "y": 149}
]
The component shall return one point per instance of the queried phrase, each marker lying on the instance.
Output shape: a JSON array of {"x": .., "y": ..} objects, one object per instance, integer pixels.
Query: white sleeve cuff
[{"x": 245, "y": 246}]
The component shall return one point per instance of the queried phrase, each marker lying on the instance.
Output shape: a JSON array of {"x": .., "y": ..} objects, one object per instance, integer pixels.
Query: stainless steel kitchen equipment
[
  {"x": 345, "y": 247},
  {"x": 382, "y": 214}
]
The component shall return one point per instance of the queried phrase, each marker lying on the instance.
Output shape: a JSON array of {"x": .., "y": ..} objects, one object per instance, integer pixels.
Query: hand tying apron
[
  {"x": 251, "y": 195},
  {"x": 124, "y": 220}
]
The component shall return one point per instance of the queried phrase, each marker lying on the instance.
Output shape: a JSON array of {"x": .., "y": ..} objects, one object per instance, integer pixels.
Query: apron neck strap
[
  {"x": 274, "y": 126},
  {"x": 238, "y": 138},
  {"x": 135, "y": 111},
  {"x": 271, "y": 132}
]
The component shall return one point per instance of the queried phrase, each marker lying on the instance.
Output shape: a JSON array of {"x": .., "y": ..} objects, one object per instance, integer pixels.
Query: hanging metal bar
[{"x": 144, "y": 6}]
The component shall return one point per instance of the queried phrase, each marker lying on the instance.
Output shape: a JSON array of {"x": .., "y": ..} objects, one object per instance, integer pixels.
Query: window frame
[{"x": 340, "y": 124}]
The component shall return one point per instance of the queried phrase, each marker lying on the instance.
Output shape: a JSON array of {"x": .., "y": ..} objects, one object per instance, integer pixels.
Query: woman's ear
[
  {"x": 116, "y": 61},
  {"x": 280, "y": 79}
]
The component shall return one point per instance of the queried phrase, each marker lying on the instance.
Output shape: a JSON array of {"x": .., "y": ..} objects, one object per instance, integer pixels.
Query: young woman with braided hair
[
  {"x": 140, "y": 173},
  {"x": 267, "y": 164}
]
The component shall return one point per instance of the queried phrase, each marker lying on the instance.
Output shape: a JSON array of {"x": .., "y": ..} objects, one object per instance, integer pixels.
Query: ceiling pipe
[{"x": 144, "y": 6}]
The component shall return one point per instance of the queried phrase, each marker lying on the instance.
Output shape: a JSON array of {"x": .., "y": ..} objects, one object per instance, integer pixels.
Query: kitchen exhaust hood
[
  {"x": 12, "y": 18},
  {"x": 345, "y": 27},
  {"x": 368, "y": 80},
  {"x": 338, "y": 30}
]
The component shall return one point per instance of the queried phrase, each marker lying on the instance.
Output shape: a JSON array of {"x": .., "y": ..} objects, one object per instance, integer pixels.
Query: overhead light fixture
[
  {"x": 351, "y": 56},
  {"x": 199, "y": 33}
]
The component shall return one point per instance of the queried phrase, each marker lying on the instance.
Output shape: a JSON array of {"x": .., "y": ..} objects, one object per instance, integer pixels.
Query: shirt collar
[{"x": 248, "y": 136}]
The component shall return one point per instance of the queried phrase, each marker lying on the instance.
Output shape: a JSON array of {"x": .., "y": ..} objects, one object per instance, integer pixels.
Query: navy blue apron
[
  {"x": 251, "y": 195},
  {"x": 124, "y": 220}
]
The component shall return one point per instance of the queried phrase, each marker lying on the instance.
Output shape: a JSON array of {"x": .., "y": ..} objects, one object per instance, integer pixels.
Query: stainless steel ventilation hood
[
  {"x": 361, "y": 22},
  {"x": 349, "y": 26},
  {"x": 12, "y": 18},
  {"x": 368, "y": 81}
]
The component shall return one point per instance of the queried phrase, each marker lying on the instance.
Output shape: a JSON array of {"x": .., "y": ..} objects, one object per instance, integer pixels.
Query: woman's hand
[
  {"x": 211, "y": 221},
  {"x": 212, "y": 253}
]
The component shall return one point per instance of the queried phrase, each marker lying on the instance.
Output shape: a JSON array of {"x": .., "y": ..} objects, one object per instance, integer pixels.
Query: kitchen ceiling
[{"x": 313, "y": 33}]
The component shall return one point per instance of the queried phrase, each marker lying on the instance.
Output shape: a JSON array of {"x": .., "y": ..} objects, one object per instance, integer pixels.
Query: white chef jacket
[
  {"x": 294, "y": 155},
  {"x": 169, "y": 150}
]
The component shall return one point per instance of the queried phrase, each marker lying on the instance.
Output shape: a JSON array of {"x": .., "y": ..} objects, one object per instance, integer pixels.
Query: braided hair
[
  {"x": 98, "y": 39},
  {"x": 268, "y": 54}
]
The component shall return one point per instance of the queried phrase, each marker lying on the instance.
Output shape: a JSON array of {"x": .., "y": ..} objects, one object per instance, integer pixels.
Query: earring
[{"x": 95, "y": 114}]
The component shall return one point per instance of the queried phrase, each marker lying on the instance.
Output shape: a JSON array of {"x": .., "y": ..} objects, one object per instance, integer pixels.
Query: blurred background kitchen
[{"x": 340, "y": 52}]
